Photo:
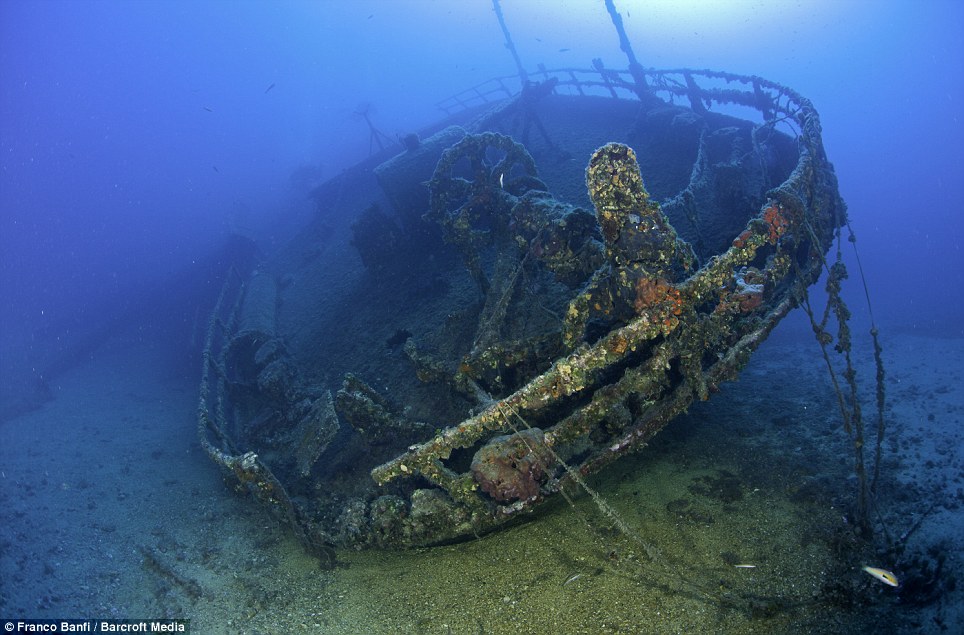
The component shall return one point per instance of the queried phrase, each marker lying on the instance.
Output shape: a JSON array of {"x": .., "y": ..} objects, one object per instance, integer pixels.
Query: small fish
[
  {"x": 572, "y": 579},
  {"x": 216, "y": 169},
  {"x": 883, "y": 575},
  {"x": 208, "y": 109},
  {"x": 563, "y": 50},
  {"x": 268, "y": 88},
  {"x": 502, "y": 180},
  {"x": 745, "y": 566}
]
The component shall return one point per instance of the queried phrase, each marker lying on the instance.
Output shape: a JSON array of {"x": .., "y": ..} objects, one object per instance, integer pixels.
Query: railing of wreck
[{"x": 702, "y": 89}]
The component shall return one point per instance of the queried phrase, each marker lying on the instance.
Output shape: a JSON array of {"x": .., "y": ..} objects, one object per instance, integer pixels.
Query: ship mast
[
  {"x": 635, "y": 68},
  {"x": 523, "y": 76}
]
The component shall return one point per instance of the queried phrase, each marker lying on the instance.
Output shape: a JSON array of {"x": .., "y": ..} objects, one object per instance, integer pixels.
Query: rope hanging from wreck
[
  {"x": 851, "y": 412},
  {"x": 698, "y": 588},
  {"x": 878, "y": 361}
]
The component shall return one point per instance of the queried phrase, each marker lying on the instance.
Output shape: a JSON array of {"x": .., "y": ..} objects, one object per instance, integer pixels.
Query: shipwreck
[{"x": 504, "y": 303}]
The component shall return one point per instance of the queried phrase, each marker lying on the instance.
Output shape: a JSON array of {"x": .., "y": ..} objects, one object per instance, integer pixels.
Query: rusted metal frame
[
  {"x": 663, "y": 80},
  {"x": 645, "y": 380},
  {"x": 575, "y": 82},
  {"x": 661, "y": 413},
  {"x": 572, "y": 374},
  {"x": 206, "y": 422},
  {"x": 560, "y": 380},
  {"x": 642, "y": 380},
  {"x": 784, "y": 101},
  {"x": 566, "y": 377},
  {"x": 684, "y": 393},
  {"x": 245, "y": 467},
  {"x": 749, "y": 80},
  {"x": 800, "y": 192},
  {"x": 248, "y": 469},
  {"x": 476, "y": 95},
  {"x": 682, "y": 396},
  {"x": 607, "y": 79},
  {"x": 611, "y": 87},
  {"x": 732, "y": 96}
]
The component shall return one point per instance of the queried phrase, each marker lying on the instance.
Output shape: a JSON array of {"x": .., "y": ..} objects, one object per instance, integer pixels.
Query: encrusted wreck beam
[
  {"x": 672, "y": 406},
  {"x": 648, "y": 380},
  {"x": 574, "y": 373}
]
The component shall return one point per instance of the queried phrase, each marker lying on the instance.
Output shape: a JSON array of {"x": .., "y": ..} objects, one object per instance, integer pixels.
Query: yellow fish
[{"x": 883, "y": 575}]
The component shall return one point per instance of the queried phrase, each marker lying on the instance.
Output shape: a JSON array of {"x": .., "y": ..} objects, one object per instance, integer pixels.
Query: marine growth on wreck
[{"x": 501, "y": 314}]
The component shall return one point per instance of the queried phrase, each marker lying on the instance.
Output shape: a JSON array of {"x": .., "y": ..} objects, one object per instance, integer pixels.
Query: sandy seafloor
[{"x": 111, "y": 509}]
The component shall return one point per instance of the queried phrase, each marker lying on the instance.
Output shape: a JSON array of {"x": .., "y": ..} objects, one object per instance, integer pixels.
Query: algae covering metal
[{"x": 572, "y": 336}]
